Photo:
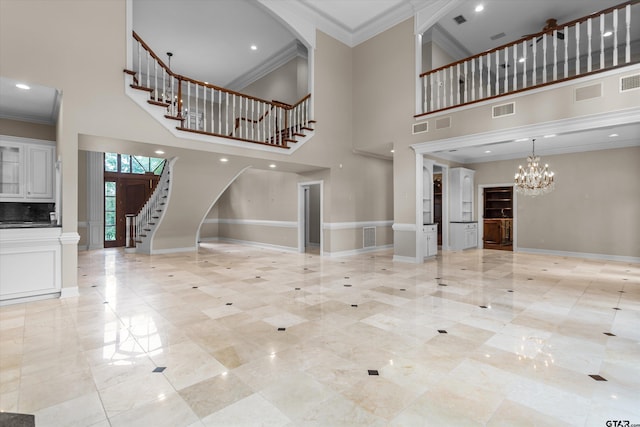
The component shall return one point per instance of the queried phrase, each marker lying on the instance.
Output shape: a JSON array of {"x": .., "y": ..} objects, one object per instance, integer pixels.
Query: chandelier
[{"x": 534, "y": 180}]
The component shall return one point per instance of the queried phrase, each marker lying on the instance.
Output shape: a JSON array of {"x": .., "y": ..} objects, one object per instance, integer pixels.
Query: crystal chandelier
[{"x": 534, "y": 180}]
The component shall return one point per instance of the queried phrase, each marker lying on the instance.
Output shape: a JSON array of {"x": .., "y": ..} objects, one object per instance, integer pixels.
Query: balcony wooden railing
[
  {"x": 208, "y": 109},
  {"x": 592, "y": 44}
]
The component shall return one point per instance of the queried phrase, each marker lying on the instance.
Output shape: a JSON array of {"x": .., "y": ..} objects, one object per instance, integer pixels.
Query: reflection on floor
[{"x": 235, "y": 335}]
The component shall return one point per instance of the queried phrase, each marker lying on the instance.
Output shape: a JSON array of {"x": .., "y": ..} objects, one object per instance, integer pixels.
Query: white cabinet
[
  {"x": 26, "y": 170},
  {"x": 430, "y": 234},
  {"x": 464, "y": 235},
  {"x": 461, "y": 194}
]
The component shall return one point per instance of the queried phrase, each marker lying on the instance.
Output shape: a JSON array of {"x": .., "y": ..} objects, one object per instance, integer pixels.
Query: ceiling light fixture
[
  {"x": 550, "y": 135},
  {"x": 522, "y": 139},
  {"x": 479, "y": 8},
  {"x": 254, "y": 47},
  {"x": 521, "y": 60},
  {"x": 272, "y": 166},
  {"x": 224, "y": 160},
  {"x": 22, "y": 86},
  {"x": 613, "y": 135},
  {"x": 608, "y": 33},
  {"x": 487, "y": 151},
  {"x": 159, "y": 152},
  {"x": 534, "y": 180}
]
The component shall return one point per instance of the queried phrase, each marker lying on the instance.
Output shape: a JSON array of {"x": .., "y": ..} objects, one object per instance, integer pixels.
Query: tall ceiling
[{"x": 211, "y": 40}]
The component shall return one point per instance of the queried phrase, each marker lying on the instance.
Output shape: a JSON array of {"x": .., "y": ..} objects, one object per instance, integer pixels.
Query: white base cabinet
[
  {"x": 430, "y": 240},
  {"x": 464, "y": 235},
  {"x": 30, "y": 263}
]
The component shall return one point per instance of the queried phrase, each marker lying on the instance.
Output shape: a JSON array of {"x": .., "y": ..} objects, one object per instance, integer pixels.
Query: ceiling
[{"x": 197, "y": 33}]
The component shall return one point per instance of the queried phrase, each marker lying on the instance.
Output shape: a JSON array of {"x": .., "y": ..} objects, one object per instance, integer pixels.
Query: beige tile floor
[{"x": 211, "y": 319}]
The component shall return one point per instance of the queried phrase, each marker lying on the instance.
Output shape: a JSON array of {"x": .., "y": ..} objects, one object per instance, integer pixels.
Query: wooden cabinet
[
  {"x": 464, "y": 235},
  {"x": 430, "y": 234},
  {"x": 498, "y": 234},
  {"x": 26, "y": 170},
  {"x": 498, "y": 218},
  {"x": 498, "y": 202},
  {"x": 461, "y": 194}
]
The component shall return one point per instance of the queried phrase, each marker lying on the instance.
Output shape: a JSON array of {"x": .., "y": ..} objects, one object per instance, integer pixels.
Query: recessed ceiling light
[
  {"x": 487, "y": 151},
  {"x": 521, "y": 60},
  {"x": 159, "y": 152},
  {"x": 254, "y": 47},
  {"x": 550, "y": 135},
  {"x": 224, "y": 159},
  {"x": 479, "y": 8},
  {"x": 22, "y": 86},
  {"x": 613, "y": 135},
  {"x": 608, "y": 33},
  {"x": 522, "y": 139},
  {"x": 272, "y": 166},
  {"x": 393, "y": 151}
]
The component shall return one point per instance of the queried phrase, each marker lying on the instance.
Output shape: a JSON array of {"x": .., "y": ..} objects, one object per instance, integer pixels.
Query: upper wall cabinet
[
  {"x": 461, "y": 194},
  {"x": 26, "y": 170}
]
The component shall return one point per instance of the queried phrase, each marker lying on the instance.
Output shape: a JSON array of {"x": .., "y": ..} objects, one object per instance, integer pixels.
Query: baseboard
[
  {"x": 587, "y": 255},
  {"x": 69, "y": 292},
  {"x": 253, "y": 244},
  {"x": 407, "y": 259},
  {"x": 29, "y": 299},
  {"x": 173, "y": 250},
  {"x": 356, "y": 251}
]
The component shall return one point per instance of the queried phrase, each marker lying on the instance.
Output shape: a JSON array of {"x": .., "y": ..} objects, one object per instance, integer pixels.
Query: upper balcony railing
[
  {"x": 595, "y": 43},
  {"x": 204, "y": 108}
]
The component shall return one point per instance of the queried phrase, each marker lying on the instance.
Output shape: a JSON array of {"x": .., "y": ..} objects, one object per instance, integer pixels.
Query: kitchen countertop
[
  {"x": 27, "y": 224},
  {"x": 463, "y": 222}
]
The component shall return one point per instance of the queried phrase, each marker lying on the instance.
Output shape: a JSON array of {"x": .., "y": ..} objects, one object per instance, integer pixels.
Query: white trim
[
  {"x": 432, "y": 13},
  {"x": 173, "y": 250},
  {"x": 357, "y": 251},
  {"x": 403, "y": 227},
  {"x": 69, "y": 292},
  {"x": 69, "y": 238},
  {"x": 253, "y": 244},
  {"x": 574, "y": 124},
  {"x": 301, "y": 214},
  {"x": 514, "y": 213},
  {"x": 22, "y": 300},
  {"x": 356, "y": 224},
  {"x": 587, "y": 255},
  {"x": 288, "y": 53},
  {"x": 408, "y": 259},
  {"x": 259, "y": 222}
]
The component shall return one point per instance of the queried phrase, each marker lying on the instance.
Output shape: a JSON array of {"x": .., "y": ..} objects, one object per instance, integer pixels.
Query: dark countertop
[
  {"x": 26, "y": 224},
  {"x": 463, "y": 222}
]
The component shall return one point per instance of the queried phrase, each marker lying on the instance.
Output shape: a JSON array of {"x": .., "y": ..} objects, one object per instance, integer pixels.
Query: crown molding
[{"x": 292, "y": 50}]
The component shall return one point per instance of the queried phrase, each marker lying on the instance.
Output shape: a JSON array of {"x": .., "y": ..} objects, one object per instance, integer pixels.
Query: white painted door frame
[
  {"x": 514, "y": 230},
  {"x": 303, "y": 225}
]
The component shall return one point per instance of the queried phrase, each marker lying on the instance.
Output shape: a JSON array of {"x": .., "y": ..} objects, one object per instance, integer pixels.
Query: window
[
  {"x": 109, "y": 210},
  {"x": 125, "y": 163}
]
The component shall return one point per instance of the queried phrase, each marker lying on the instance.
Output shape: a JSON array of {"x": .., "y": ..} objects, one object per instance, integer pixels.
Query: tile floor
[{"x": 239, "y": 336}]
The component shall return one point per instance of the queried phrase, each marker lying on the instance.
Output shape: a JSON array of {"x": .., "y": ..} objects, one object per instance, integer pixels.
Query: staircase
[
  {"x": 141, "y": 227},
  {"x": 197, "y": 110}
]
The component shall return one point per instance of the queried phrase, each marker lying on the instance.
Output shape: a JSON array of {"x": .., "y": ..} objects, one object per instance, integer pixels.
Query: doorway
[
  {"x": 498, "y": 214},
  {"x": 124, "y": 194},
  {"x": 310, "y": 217}
]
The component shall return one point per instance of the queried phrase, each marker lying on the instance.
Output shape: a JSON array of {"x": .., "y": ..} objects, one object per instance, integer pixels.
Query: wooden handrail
[{"x": 532, "y": 36}]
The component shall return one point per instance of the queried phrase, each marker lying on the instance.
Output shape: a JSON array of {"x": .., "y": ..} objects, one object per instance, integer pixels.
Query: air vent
[
  {"x": 443, "y": 123},
  {"x": 460, "y": 19},
  {"x": 497, "y": 36},
  {"x": 420, "y": 127},
  {"x": 630, "y": 83},
  {"x": 368, "y": 237},
  {"x": 504, "y": 110},
  {"x": 588, "y": 92}
]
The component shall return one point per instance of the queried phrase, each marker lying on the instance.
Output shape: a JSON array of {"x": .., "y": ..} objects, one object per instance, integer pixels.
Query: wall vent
[
  {"x": 460, "y": 19},
  {"x": 420, "y": 127},
  {"x": 503, "y": 110},
  {"x": 630, "y": 83},
  {"x": 588, "y": 92},
  {"x": 443, "y": 123},
  {"x": 368, "y": 237}
]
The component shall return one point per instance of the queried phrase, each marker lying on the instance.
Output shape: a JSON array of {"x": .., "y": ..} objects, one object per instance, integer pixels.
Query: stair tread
[
  {"x": 158, "y": 103},
  {"x": 146, "y": 89}
]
